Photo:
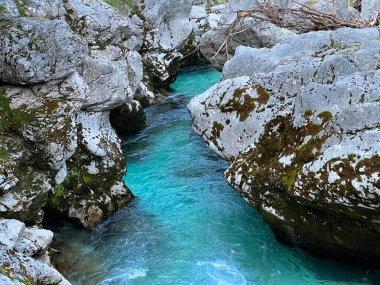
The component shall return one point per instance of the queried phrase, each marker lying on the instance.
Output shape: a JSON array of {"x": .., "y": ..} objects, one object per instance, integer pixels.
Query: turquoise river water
[{"x": 187, "y": 225}]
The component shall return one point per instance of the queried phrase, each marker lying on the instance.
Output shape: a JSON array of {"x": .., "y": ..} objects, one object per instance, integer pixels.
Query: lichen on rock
[{"x": 304, "y": 147}]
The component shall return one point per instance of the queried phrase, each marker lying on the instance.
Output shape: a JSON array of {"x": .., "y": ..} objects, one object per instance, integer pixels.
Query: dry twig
[{"x": 300, "y": 18}]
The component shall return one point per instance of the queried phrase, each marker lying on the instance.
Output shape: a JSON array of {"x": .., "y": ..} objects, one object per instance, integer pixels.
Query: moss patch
[
  {"x": 217, "y": 128},
  {"x": 3, "y": 9},
  {"x": 22, "y": 6},
  {"x": 280, "y": 139},
  {"x": 325, "y": 117},
  {"x": 243, "y": 104},
  {"x": 12, "y": 120},
  {"x": 124, "y": 6}
]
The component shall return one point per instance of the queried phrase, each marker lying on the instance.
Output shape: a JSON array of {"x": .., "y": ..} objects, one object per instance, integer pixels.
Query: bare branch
[{"x": 300, "y": 18}]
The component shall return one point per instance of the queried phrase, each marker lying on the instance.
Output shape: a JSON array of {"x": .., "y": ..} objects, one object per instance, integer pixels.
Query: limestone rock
[
  {"x": 21, "y": 196},
  {"x": 300, "y": 124},
  {"x": 198, "y": 12},
  {"x": 100, "y": 23},
  {"x": 370, "y": 8},
  {"x": 49, "y": 9},
  {"x": 167, "y": 27},
  {"x": 343, "y": 43},
  {"x": 18, "y": 244},
  {"x": 34, "y": 241},
  {"x": 167, "y": 22},
  {"x": 11, "y": 231},
  {"x": 48, "y": 124},
  {"x": 21, "y": 269},
  {"x": 8, "y": 9},
  {"x": 51, "y": 131},
  {"x": 202, "y": 20},
  {"x": 33, "y": 50},
  {"x": 112, "y": 76},
  {"x": 86, "y": 193},
  {"x": 339, "y": 8},
  {"x": 162, "y": 67},
  {"x": 258, "y": 33},
  {"x": 145, "y": 96}
]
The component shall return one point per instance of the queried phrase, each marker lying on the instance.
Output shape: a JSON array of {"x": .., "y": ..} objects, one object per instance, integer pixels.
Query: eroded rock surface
[
  {"x": 167, "y": 27},
  {"x": 100, "y": 24},
  {"x": 64, "y": 65},
  {"x": 299, "y": 123},
  {"x": 259, "y": 33},
  {"x": 33, "y": 50},
  {"x": 21, "y": 249}
]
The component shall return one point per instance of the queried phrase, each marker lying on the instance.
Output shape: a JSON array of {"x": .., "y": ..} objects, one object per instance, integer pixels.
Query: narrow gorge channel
[{"x": 187, "y": 226}]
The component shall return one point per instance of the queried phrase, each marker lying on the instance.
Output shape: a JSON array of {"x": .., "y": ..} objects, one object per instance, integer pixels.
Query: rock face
[
  {"x": 101, "y": 24},
  {"x": 370, "y": 9},
  {"x": 21, "y": 251},
  {"x": 163, "y": 27},
  {"x": 33, "y": 52},
  {"x": 258, "y": 33},
  {"x": 65, "y": 66},
  {"x": 58, "y": 150},
  {"x": 203, "y": 18},
  {"x": 167, "y": 28},
  {"x": 156, "y": 29},
  {"x": 299, "y": 123},
  {"x": 122, "y": 116}
]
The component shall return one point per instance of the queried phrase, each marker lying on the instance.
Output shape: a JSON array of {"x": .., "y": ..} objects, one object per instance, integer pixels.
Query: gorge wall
[
  {"x": 299, "y": 121},
  {"x": 64, "y": 67}
]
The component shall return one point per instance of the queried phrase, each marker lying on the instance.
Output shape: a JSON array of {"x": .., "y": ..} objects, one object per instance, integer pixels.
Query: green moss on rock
[
  {"x": 217, "y": 128},
  {"x": 280, "y": 139},
  {"x": 12, "y": 120},
  {"x": 323, "y": 228},
  {"x": 244, "y": 104},
  {"x": 325, "y": 117}
]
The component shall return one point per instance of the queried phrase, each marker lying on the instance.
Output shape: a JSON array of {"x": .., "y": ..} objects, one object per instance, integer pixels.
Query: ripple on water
[{"x": 187, "y": 225}]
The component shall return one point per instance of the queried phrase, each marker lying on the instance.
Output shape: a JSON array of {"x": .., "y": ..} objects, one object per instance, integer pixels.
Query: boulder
[
  {"x": 299, "y": 124},
  {"x": 259, "y": 33},
  {"x": 91, "y": 184},
  {"x": 11, "y": 231},
  {"x": 370, "y": 9},
  {"x": 162, "y": 67},
  {"x": 34, "y": 50},
  {"x": 20, "y": 249},
  {"x": 167, "y": 22},
  {"x": 26, "y": 270},
  {"x": 34, "y": 241},
  {"x": 21, "y": 196},
  {"x": 167, "y": 28},
  {"x": 101, "y": 24},
  {"x": 202, "y": 20},
  {"x": 54, "y": 111},
  {"x": 342, "y": 43},
  {"x": 112, "y": 76}
]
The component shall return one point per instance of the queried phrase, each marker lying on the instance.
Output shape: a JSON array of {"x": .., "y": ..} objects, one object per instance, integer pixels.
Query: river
[{"x": 187, "y": 226}]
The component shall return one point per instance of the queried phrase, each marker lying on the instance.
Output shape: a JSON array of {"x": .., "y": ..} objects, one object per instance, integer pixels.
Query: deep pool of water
[{"x": 187, "y": 226}]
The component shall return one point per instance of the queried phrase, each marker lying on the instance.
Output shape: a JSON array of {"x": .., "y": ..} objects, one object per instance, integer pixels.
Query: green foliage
[
  {"x": 11, "y": 121},
  {"x": 125, "y": 6},
  {"x": 3, "y": 9},
  {"x": 21, "y": 7},
  {"x": 208, "y": 5}
]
